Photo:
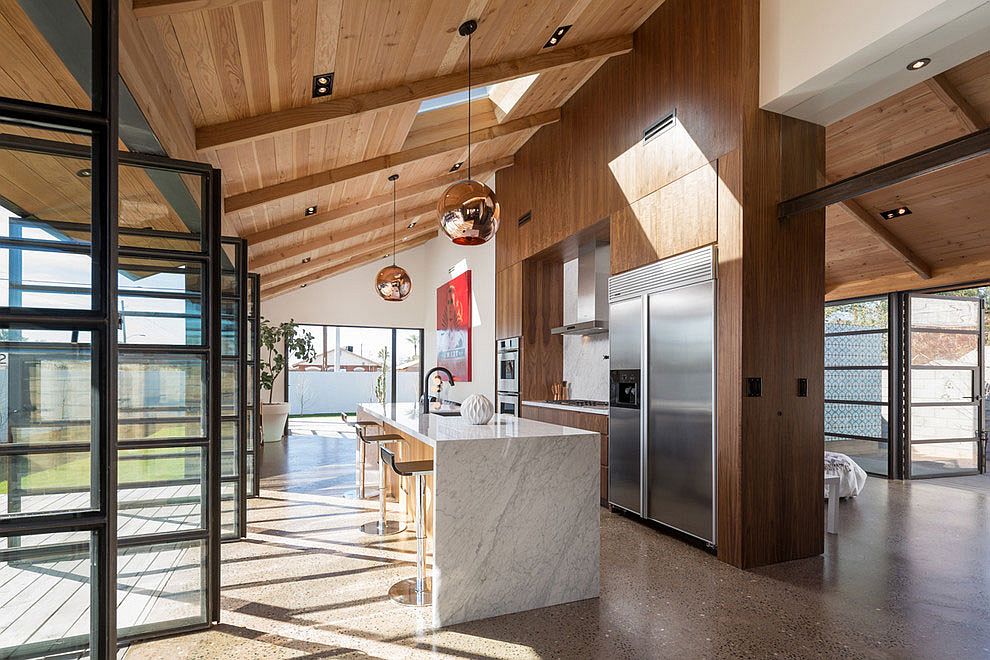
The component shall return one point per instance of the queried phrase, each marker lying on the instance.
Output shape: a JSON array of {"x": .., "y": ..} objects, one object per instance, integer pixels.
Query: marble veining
[{"x": 516, "y": 512}]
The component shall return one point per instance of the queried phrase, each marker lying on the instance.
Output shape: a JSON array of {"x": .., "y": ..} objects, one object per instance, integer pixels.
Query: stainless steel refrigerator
[{"x": 662, "y": 337}]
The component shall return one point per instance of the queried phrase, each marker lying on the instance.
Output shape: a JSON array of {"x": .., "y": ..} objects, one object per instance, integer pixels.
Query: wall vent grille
[
  {"x": 526, "y": 217},
  {"x": 661, "y": 127}
]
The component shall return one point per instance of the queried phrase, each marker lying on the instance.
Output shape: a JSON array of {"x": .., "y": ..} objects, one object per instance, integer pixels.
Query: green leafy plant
[
  {"x": 381, "y": 380},
  {"x": 298, "y": 344}
]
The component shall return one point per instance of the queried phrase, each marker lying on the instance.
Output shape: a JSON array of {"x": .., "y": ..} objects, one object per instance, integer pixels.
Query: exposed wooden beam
[
  {"x": 362, "y": 230},
  {"x": 924, "y": 162},
  {"x": 885, "y": 236},
  {"x": 251, "y": 128},
  {"x": 354, "y": 261},
  {"x": 949, "y": 94},
  {"x": 151, "y": 8},
  {"x": 483, "y": 170},
  {"x": 372, "y": 165}
]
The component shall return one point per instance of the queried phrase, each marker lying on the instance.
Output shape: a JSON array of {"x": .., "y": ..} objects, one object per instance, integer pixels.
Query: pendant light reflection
[
  {"x": 393, "y": 282},
  {"x": 468, "y": 210}
]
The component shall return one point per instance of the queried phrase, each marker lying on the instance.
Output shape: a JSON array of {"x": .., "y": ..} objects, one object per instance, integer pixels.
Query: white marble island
[{"x": 515, "y": 511}]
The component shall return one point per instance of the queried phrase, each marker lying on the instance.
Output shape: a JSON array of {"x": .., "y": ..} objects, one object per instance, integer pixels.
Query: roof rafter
[
  {"x": 877, "y": 228},
  {"x": 949, "y": 94},
  {"x": 310, "y": 222},
  {"x": 345, "y": 172},
  {"x": 356, "y": 258},
  {"x": 150, "y": 8},
  {"x": 251, "y": 128},
  {"x": 345, "y": 234}
]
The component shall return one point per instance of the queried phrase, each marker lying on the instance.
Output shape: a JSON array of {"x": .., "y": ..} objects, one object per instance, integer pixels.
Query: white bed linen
[{"x": 852, "y": 478}]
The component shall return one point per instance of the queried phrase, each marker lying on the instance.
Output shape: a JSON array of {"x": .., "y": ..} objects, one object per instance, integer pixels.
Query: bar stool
[
  {"x": 417, "y": 590},
  {"x": 382, "y": 526}
]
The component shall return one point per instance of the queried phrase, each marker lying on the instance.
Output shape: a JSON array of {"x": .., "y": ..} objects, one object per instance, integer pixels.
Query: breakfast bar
[{"x": 515, "y": 510}]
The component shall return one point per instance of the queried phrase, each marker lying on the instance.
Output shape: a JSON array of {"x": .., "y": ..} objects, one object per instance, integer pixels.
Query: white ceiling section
[{"x": 822, "y": 61}]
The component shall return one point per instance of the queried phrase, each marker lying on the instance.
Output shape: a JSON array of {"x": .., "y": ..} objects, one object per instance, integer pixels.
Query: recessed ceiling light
[
  {"x": 411, "y": 225},
  {"x": 84, "y": 173},
  {"x": 323, "y": 85},
  {"x": 557, "y": 35},
  {"x": 456, "y": 166},
  {"x": 302, "y": 286},
  {"x": 310, "y": 210},
  {"x": 892, "y": 214},
  {"x": 919, "y": 64},
  {"x": 307, "y": 260}
]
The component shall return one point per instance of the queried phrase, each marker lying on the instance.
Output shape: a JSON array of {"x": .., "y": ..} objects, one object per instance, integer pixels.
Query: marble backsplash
[{"x": 585, "y": 368}]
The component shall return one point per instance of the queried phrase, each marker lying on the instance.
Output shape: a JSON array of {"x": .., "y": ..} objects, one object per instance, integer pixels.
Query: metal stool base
[
  {"x": 404, "y": 592},
  {"x": 375, "y": 528}
]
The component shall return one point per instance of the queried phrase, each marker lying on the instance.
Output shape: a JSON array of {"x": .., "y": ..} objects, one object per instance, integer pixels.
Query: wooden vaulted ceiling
[
  {"x": 946, "y": 239},
  {"x": 245, "y": 68}
]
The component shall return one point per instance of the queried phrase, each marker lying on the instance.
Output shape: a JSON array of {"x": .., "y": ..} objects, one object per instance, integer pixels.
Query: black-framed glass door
[
  {"x": 234, "y": 385},
  {"x": 944, "y": 408},
  {"x": 253, "y": 394}
]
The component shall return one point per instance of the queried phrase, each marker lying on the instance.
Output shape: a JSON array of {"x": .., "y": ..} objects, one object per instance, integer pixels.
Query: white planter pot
[{"x": 273, "y": 418}]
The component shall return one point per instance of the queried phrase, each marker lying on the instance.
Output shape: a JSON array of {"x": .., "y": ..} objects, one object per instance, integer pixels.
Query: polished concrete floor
[{"x": 908, "y": 576}]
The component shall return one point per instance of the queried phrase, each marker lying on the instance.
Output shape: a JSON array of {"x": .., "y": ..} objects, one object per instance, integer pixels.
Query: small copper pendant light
[
  {"x": 393, "y": 282},
  {"x": 468, "y": 210}
]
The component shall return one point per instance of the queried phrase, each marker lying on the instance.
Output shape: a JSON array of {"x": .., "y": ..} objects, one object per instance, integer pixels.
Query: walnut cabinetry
[
  {"x": 509, "y": 302},
  {"x": 578, "y": 420}
]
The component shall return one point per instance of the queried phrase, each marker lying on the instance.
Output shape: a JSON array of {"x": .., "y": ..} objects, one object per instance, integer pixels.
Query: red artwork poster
[{"x": 454, "y": 327}]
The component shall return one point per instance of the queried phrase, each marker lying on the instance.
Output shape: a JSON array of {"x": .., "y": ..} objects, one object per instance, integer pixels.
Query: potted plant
[{"x": 299, "y": 345}]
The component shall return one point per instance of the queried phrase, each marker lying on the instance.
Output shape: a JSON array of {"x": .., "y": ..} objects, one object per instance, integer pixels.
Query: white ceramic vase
[{"x": 477, "y": 409}]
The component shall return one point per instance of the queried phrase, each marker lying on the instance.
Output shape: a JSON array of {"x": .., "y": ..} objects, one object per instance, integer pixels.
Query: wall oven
[{"x": 507, "y": 376}]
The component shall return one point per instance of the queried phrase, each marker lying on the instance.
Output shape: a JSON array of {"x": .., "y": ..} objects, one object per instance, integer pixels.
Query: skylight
[{"x": 453, "y": 99}]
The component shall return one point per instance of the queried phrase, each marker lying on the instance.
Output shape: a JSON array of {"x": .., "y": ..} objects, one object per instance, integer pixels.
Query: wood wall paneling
[
  {"x": 541, "y": 354},
  {"x": 509, "y": 302}
]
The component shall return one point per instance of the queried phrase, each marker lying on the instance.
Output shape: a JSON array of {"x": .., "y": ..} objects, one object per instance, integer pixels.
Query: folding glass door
[
  {"x": 252, "y": 441},
  {"x": 944, "y": 410},
  {"x": 233, "y": 407}
]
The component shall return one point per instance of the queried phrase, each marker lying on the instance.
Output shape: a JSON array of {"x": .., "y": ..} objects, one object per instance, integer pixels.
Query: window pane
[
  {"x": 868, "y": 350},
  {"x": 46, "y": 380},
  {"x": 943, "y": 422},
  {"x": 228, "y": 449},
  {"x": 45, "y": 591},
  {"x": 941, "y": 457},
  {"x": 161, "y": 586},
  {"x": 229, "y": 320},
  {"x": 46, "y": 483},
  {"x": 868, "y": 454},
  {"x": 945, "y": 313},
  {"x": 228, "y": 509},
  {"x": 161, "y": 396},
  {"x": 863, "y": 315},
  {"x": 856, "y": 419},
  {"x": 229, "y": 393},
  {"x": 856, "y": 385},
  {"x": 946, "y": 349},
  {"x": 934, "y": 385},
  {"x": 161, "y": 490},
  {"x": 160, "y": 209},
  {"x": 45, "y": 214},
  {"x": 49, "y": 48},
  {"x": 160, "y": 302}
]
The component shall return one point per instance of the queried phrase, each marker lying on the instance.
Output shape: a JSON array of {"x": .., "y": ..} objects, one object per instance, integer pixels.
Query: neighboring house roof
[
  {"x": 411, "y": 364},
  {"x": 347, "y": 359}
]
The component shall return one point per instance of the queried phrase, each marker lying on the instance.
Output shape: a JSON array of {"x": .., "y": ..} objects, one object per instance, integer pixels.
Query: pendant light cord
[
  {"x": 393, "y": 222},
  {"x": 469, "y": 106}
]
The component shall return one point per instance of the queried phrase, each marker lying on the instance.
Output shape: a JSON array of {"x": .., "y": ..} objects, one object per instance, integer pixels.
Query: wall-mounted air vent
[
  {"x": 660, "y": 127},
  {"x": 526, "y": 217}
]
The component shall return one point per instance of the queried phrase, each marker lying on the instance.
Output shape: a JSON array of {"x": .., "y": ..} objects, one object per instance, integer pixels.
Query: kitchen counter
[
  {"x": 595, "y": 410},
  {"x": 515, "y": 511}
]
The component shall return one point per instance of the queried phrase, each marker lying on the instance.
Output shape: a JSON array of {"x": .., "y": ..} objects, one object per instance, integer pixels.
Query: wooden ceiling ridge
[
  {"x": 357, "y": 259},
  {"x": 483, "y": 170},
  {"x": 402, "y": 218},
  {"x": 272, "y": 123},
  {"x": 152, "y": 8},
  {"x": 345, "y": 172}
]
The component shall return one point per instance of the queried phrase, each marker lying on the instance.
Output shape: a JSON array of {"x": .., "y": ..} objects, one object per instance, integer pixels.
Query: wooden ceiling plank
[
  {"x": 151, "y": 8},
  {"x": 354, "y": 261},
  {"x": 968, "y": 116},
  {"x": 885, "y": 236},
  {"x": 333, "y": 214},
  {"x": 340, "y": 235},
  {"x": 303, "y": 184},
  {"x": 251, "y": 128}
]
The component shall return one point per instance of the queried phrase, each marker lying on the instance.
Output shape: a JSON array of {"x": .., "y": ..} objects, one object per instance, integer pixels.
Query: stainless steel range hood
[{"x": 592, "y": 293}]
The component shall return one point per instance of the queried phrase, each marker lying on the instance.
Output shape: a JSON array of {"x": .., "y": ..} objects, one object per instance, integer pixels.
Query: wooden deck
[{"x": 46, "y": 598}]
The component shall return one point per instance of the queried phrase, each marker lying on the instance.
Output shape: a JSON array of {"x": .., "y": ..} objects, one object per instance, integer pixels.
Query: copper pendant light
[
  {"x": 393, "y": 282},
  {"x": 468, "y": 209}
]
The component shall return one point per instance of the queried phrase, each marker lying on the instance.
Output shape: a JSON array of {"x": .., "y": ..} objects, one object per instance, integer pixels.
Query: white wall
[
  {"x": 822, "y": 61},
  {"x": 350, "y": 299}
]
